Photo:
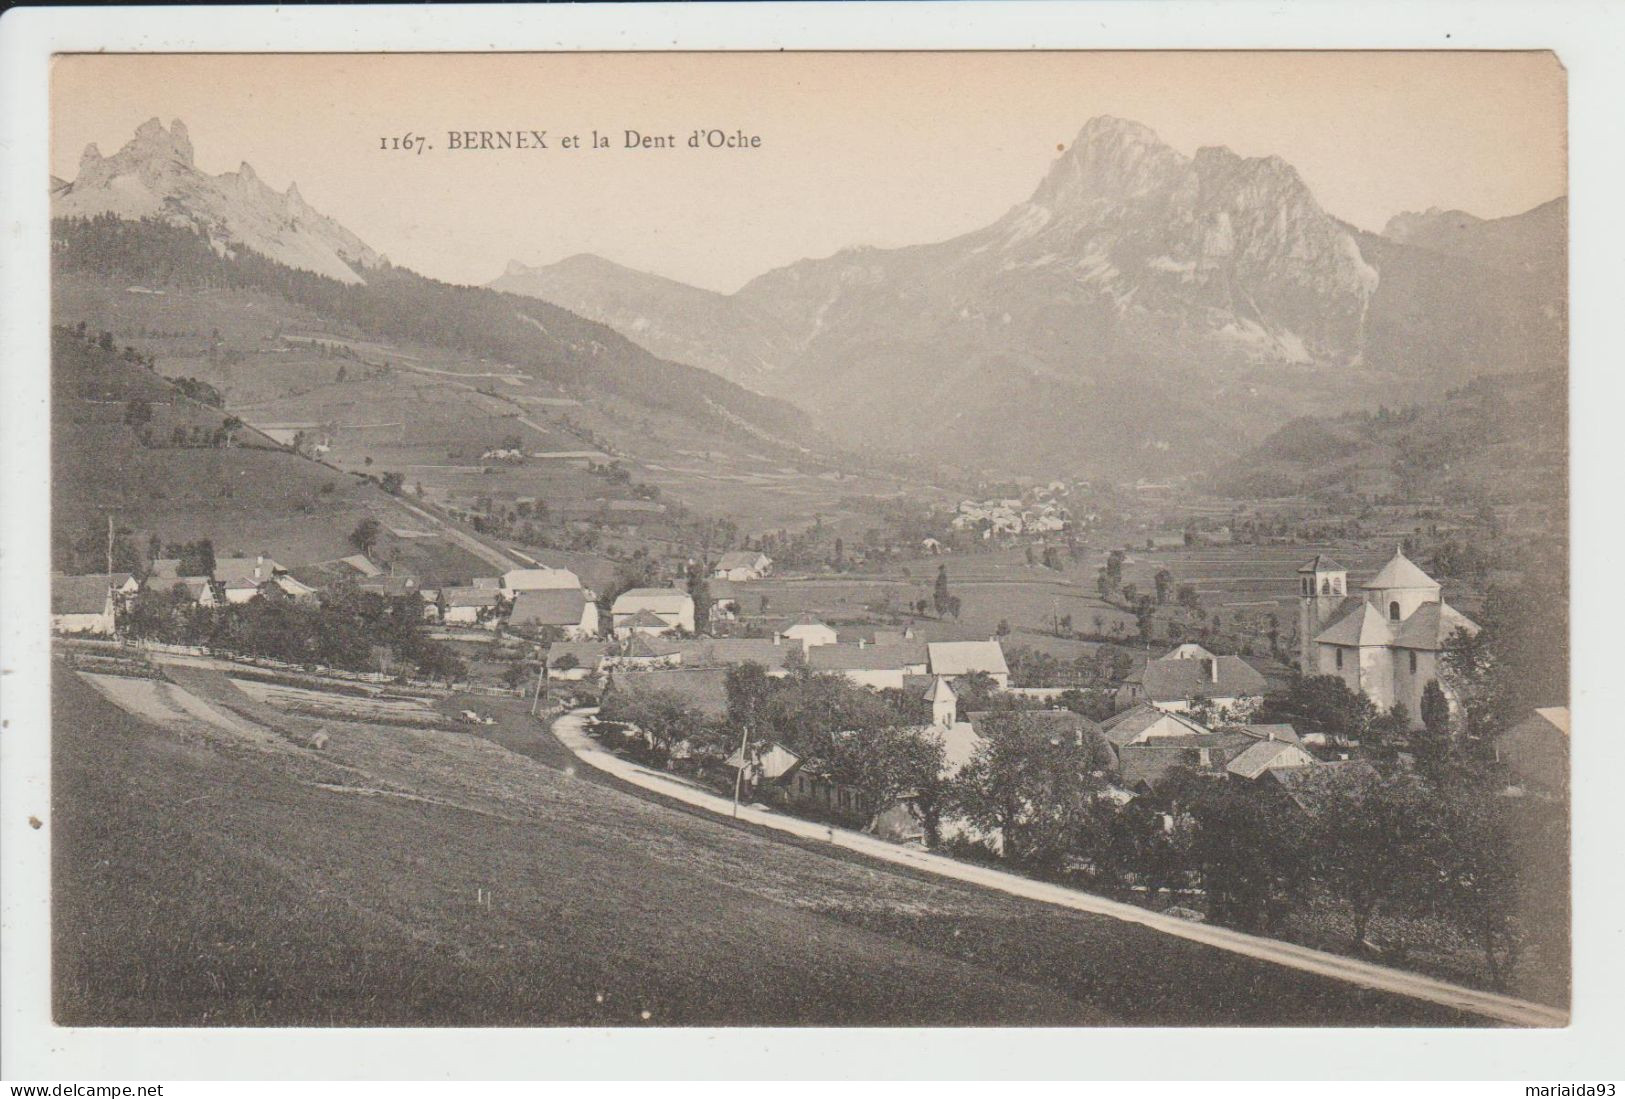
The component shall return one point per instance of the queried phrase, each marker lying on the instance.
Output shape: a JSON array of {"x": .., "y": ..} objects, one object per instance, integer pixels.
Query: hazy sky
[{"x": 883, "y": 149}]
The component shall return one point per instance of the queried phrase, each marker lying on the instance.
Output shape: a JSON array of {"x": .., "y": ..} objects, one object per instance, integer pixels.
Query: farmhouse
[
  {"x": 1384, "y": 643},
  {"x": 1228, "y": 685},
  {"x": 241, "y": 589},
  {"x": 82, "y": 605},
  {"x": 810, "y": 632},
  {"x": 743, "y": 565},
  {"x": 957, "y": 658},
  {"x": 567, "y": 609},
  {"x": 470, "y": 606},
  {"x": 875, "y": 666},
  {"x": 652, "y": 610}
]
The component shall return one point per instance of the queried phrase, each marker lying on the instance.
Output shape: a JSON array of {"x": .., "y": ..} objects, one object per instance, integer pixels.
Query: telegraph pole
[
  {"x": 739, "y": 775},
  {"x": 541, "y": 678}
]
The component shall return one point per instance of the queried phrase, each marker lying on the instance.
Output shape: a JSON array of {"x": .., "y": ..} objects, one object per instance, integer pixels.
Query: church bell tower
[{"x": 1322, "y": 587}]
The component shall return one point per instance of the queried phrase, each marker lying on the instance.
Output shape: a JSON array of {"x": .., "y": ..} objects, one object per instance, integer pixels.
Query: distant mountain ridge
[
  {"x": 1137, "y": 311},
  {"x": 154, "y": 175},
  {"x": 670, "y": 318}
]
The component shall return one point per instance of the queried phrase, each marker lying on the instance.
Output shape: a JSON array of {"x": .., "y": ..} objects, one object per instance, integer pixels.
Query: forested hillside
[{"x": 1499, "y": 439}]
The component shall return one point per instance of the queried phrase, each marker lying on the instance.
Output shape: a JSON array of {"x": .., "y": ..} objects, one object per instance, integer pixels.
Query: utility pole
[
  {"x": 739, "y": 775},
  {"x": 541, "y": 678},
  {"x": 110, "y": 572}
]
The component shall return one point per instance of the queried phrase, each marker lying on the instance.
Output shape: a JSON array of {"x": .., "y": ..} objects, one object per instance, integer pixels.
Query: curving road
[{"x": 569, "y": 729}]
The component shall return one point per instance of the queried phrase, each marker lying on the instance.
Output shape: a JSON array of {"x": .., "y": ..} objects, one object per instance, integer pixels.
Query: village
[{"x": 1111, "y": 771}]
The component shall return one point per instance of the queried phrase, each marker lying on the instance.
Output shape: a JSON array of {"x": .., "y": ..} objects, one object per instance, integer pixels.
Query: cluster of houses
[
  {"x": 521, "y": 598},
  {"x": 87, "y": 605},
  {"x": 1188, "y": 709},
  {"x": 991, "y": 518}
]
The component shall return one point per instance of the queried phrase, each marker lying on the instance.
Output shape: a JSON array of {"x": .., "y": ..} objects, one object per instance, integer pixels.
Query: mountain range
[{"x": 1138, "y": 312}]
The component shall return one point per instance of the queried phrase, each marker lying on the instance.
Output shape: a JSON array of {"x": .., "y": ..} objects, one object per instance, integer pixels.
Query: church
[{"x": 1384, "y": 642}]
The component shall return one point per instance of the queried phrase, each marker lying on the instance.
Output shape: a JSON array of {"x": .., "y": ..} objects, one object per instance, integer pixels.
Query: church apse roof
[{"x": 1401, "y": 572}]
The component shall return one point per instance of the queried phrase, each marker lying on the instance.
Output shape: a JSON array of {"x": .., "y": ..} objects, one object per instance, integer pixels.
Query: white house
[
  {"x": 741, "y": 565},
  {"x": 470, "y": 606},
  {"x": 874, "y": 666},
  {"x": 957, "y": 658},
  {"x": 241, "y": 589},
  {"x": 82, "y": 604},
  {"x": 652, "y": 611},
  {"x": 810, "y": 632},
  {"x": 1385, "y": 642}
]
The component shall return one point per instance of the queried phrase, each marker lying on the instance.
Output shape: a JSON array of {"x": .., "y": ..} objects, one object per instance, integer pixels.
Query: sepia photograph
[{"x": 1058, "y": 538}]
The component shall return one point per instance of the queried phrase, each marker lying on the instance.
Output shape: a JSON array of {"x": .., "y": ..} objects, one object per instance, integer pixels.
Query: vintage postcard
[{"x": 1058, "y": 538}]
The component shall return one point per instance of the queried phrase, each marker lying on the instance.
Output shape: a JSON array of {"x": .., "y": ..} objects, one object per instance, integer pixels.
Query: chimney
[{"x": 862, "y": 643}]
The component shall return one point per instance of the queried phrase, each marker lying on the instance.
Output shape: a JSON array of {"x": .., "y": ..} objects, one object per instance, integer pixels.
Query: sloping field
[{"x": 209, "y": 871}]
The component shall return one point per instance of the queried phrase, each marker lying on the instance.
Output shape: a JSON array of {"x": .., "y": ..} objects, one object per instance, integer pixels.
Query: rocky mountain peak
[
  {"x": 152, "y": 140},
  {"x": 1111, "y": 158},
  {"x": 154, "y": 175}
]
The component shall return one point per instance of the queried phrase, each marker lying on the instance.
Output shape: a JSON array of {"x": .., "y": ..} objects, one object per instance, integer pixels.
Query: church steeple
[{"x": 1322, "y": 587}]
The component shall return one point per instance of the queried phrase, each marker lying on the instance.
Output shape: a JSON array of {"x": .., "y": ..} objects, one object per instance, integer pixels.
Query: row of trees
[{"x": 348, "y": 629}]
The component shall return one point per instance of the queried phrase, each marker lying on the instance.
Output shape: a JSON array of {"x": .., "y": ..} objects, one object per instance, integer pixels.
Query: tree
[
  {"x": 516, "y": 675},
  {"x": 138, "y": 412},
  {"x": 939, "y": 593},
  {"x": 1326, "y": 703},
  {"x": 839, "y": 562},
  {"x": 1165, "y": 582},
  {"x": 699, "y": 589},
  {"x": 1249, "y": 854},
  {"x": 1003, "y": 628},
  {"x": 1037, "y": 786},
  {"x": 1373, "y": 840},
  {"x": 1473, "y": 882},
  {"x": 1519, "y": 658},
  {"x": 197, "y": 558},
  {"x": 392, "y": 483},
  {"x": 1433, "y": 743},
  {"x": 365, "y": 534}
]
